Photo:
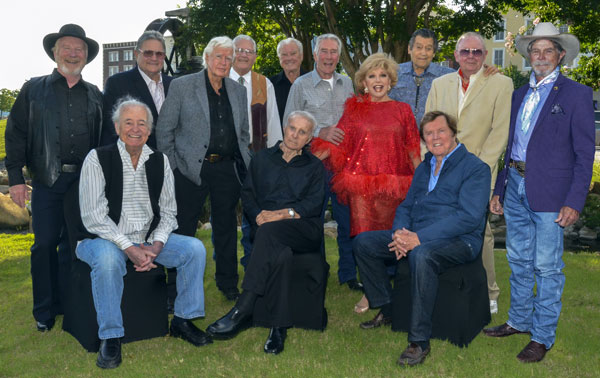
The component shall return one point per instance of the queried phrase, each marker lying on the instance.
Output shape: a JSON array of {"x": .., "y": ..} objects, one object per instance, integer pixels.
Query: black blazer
[{"x": 122, "y": 84}]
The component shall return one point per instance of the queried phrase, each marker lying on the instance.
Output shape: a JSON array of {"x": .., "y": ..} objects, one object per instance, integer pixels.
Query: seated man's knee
[{"x": 108, "y": 257}]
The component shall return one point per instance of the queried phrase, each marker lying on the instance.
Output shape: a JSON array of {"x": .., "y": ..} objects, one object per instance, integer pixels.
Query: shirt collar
[
  {"x": 147, "y": 78},
  {"x": 55, "y": 76},
  {"x": 316, "y": 79},
  {"x": 233, "y": 75},
  {"x": 433, "y": 160},
  {"x": 146, "y": 151}
]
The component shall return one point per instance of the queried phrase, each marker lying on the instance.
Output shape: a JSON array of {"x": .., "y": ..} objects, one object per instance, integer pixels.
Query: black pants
[
  {"x": 221, "y": 182},
  {"x": 269, "y": 271},
  {"x": 50, "y": 270}
]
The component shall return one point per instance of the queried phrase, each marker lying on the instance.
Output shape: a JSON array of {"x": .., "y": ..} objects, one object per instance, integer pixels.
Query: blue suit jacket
[
  {"x": 122, "y": 84},
  {"x": 560, "y": 153}
]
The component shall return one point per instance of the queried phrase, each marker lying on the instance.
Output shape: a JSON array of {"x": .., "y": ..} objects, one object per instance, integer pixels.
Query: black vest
[{"x": 112, "y": 168}]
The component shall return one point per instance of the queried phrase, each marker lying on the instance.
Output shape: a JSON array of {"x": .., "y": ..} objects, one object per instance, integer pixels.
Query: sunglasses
[
  {"x": 477, "y": 53},
  {"x": 241, "y": 51},
  {"x": 150, "y": 53}
]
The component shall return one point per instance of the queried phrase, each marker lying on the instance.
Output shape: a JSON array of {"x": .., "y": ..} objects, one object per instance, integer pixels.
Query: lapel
[
  {"x": 550, "y": 100},
  {"x": 451, "y": 92},
  {"x": 142, "y": 89},
  {"x": 166, "y": 82},
  {"x": 233, "y": 100},
  {"x": 475, "y": 91},
  {"x": 200, "y": 90}
]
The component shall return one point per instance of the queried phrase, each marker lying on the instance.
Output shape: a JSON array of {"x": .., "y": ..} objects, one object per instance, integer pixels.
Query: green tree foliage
[
  {"x": 519, "y": 79},
  {"x": 364, "y": 27},
  {"x": 588, "y": 68},
  {"x": 7, "y": 99}
]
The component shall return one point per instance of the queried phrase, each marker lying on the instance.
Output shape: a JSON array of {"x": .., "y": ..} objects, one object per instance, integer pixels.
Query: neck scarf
[{"x": 534, "y": 98}]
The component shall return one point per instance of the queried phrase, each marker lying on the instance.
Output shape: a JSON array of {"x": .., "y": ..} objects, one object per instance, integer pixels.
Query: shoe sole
[
  {"x": 108, "y": 364},
  {"x": 228, "y": 336}
]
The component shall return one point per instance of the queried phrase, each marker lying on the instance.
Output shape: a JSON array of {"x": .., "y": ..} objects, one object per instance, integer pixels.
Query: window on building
[
  {"x": 526, "y": 64},
  {"x": 445, "y": 63},
  {"x": 113, "y": 70},
  {"x": 499, "y": 36},
  {"x": 529, "y": 26},
  {"x": 128, "y": 55},
  {"x": 563, "y": 28},
  {"x": 127, "y": 67},
  {"x": 499, "y": 58},
  {"x": 113, "y": 56}
]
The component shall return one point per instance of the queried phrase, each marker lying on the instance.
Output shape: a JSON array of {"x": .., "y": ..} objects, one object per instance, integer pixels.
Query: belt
[
  {"x": 518, "y": 165},
  {"x": 215, "y": 158},
  {"x": 69, "y": 168}
]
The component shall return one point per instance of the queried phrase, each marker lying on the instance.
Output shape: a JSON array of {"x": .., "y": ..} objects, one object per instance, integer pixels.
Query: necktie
[
  {"x": 534, "y": 98},
  {"x": 241, "y": 80},
  {"x": 158, "y": 94}
]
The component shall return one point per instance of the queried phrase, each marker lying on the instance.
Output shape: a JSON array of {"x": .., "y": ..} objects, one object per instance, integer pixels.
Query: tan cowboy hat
[
  {"x": 71, "y": 30},
  {"x": 546, "y": 30}
]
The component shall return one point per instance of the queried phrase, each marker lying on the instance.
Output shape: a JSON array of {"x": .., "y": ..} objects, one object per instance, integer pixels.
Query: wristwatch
[{"x": 291, "y": 212}]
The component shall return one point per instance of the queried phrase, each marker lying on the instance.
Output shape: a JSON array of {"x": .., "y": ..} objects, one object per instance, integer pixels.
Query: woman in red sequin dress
[{"x": 374, "y": 165}]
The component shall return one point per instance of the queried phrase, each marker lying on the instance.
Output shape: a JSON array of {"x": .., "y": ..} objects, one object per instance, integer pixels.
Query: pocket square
[{"x": 557, "y": 109}]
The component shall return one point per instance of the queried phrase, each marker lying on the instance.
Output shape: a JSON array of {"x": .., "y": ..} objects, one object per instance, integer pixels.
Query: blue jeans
[
  {"x": 341, "y": 214},
  {"x": 427, "y": 261},
  {"x": 107, "y": 261},
  {"x": 534, "y": 248}
]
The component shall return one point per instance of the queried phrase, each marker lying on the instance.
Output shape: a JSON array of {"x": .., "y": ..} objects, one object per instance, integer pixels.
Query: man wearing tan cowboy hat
[
  {"x": 54, "y": 122},
  {"x": 544, "y": 184}
]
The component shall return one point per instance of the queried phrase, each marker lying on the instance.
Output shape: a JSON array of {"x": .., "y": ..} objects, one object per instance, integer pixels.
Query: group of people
[{"x": 148, "y": 152}]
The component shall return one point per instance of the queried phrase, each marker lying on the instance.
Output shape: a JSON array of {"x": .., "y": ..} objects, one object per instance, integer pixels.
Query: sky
[{"x": 26, "y": 22}]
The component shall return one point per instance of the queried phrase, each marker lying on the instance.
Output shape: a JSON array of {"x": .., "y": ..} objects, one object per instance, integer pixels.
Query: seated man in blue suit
[
  {"x": 439, "y": 225},
  {"x": 145, "y": 82}
]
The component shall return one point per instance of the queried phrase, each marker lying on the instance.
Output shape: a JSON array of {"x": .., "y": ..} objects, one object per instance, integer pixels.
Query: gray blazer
[{"x": 183, "y": 128}]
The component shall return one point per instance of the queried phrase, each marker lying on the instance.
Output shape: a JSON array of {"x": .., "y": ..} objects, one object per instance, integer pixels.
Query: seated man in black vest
[
  {"x": 128, "y": 208},
  {"x": 282, "y": 197}
]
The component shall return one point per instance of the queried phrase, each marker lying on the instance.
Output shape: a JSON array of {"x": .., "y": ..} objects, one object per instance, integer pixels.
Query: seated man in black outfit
[{"x": 282, "y": 196}]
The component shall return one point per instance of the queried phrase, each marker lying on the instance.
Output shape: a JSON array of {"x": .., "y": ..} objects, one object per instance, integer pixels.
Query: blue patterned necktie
[{"x": 534, "y": 98}]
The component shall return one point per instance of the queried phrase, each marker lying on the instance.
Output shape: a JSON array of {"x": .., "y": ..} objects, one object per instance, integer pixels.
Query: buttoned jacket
[{"x": 560, "y": 153}]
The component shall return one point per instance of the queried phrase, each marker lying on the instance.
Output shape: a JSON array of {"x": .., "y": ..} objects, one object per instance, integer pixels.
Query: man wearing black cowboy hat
[{"x": 54, "y": 122}]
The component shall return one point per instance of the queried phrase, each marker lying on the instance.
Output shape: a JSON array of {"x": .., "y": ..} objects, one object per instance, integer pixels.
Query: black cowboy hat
[{"x": 71, "y": 30}]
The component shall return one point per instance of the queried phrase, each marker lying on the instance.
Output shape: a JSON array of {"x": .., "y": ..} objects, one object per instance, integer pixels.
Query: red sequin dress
[{"x": 372, "y": 167}]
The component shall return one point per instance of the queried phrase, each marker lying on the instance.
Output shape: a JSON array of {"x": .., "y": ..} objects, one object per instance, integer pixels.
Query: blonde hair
[{"x": 374, "y": 61}]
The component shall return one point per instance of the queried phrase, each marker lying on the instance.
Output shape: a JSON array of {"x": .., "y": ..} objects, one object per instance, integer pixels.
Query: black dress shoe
[
  {"x": 501, "y": 331},
  {"x": 189, "y": 332},
  {"x": 229, "y": 325},
  {"x": 274, "y": 344},
  {"x": 109, "y": 356},
  {"x": 413, "y": 355},
  {"x": 231, "y": 293},
  {"x": 377, "y": 321},
  {"x": 353, "y": 284},
  {"x": 45, "y": 326}
]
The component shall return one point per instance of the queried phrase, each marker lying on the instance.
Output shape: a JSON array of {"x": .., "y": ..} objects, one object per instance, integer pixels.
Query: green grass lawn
[
  {"x": 2, "y": 148},
  {"x": 342, "y": 350}
]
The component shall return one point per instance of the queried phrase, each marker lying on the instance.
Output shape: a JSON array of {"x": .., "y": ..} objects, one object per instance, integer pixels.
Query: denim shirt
[
  {"x": 406, "y": 89},
  {"x": 433, "y": 178}
]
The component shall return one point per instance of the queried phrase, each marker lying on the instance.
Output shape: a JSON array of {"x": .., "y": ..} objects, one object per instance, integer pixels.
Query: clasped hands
[
  {"x": 403, "y": 241},
  {"x": 143, "y": 255},
  {"x": 266, "y": 216}
]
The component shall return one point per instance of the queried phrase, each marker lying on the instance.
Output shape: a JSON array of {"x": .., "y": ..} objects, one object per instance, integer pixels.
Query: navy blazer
[
  {"x": 455, "y": 208},
  {"x": 560, "y": 153},
  {"x": 122, "y": 84}
]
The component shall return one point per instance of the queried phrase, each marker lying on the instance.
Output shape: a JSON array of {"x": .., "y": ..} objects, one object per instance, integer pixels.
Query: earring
[{"x": 366, "y": 90}]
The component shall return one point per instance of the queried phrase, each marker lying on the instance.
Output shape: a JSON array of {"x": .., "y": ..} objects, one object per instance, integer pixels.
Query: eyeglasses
[
  {"x": 150, "y": 53},
  {"x": 244, "y": 51},
  {"x": 477, "y": 53}
]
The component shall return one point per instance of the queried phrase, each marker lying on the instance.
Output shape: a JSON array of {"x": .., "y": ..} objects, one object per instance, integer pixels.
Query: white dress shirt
[
  {"x": 136, "y": 210},
  {"x": 273, "y": 123},
  {"x": 157, "y": 89}
]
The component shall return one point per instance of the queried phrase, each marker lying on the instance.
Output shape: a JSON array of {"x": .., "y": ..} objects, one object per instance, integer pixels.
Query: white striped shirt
[{"x": 136, "y": 211}]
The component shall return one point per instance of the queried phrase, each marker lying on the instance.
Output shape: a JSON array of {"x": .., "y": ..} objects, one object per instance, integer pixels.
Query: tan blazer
[{"x": 485, "y": 117}]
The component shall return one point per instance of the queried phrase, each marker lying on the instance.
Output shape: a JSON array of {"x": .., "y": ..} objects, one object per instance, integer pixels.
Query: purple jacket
[{"x": 560, "y": 153}]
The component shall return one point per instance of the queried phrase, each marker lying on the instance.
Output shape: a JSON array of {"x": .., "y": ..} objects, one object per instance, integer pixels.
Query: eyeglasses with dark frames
[
  {"x": 477, "y": 53},
  {"x": 151, "y": 53}
]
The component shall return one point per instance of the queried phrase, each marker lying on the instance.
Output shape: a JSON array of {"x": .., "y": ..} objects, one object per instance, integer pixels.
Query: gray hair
[
  {"x": 150, "y": 34},
  {"x": 243, "y": 37},
  {"x": 323, "y": 37},
  {"x": 55, "y": 48},
  {"x": 470, "y": 34},
  {"x": 126, "y": 102},
  {"x": 423, "y": 33},
  {"x": 288, "y": 41},
  {"x": 555, "y": 43},
  {"x": 222, "y": 41},
  {"x": 303, "y": 114}
]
